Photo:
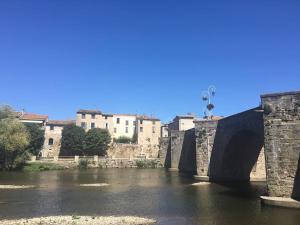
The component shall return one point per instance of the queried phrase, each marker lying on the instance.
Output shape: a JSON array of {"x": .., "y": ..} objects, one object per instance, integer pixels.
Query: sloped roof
[
  {"x": 89, "y": 111},
  {"x": 144, "y": 117},
  {"x": 33, "y": 116},
  {"x": 60, "y": 122}
]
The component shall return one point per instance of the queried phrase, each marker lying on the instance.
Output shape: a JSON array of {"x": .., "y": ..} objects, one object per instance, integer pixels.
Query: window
[
  {"x": 106, "y": 126},
  {"x": 83, "y": 125},
  {"x": 115, "y": 130},
  {"x": 141, "y": 121},
  {"x": 51, "y": 127},
  {"x": 141, "y": 129},
  {"x": 153, "y": 130},
  {"x": 133, "y": 123},
  {"x": 92, "y": 125},
  {"x": 50, "y": 142},
  {"x": 93, "y": 116},
  {"x": 118, "y": 120},
  {"x": 106, "y": 117},
  {"x": 126, "y": 129},
  {"x": 83, "y": 116},
  {"x": 126, "y": 122},
  {"x": 153, "y": 122}
]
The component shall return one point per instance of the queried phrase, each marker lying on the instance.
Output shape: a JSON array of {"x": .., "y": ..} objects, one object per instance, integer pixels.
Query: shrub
[
  {"x": 123, "y": 139},
  {"x": 83, "y": 164},
  {"x": 146, "y": 164},
  {"x": 34, "y": 167}
]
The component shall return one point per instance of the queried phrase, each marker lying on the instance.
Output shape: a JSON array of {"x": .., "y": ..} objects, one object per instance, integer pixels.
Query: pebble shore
[{"x": 81, "y": 220}]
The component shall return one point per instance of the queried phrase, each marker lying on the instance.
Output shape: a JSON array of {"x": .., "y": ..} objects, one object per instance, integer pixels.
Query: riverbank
[
  {"x": 81, "y": 220},
  {"x": 86, "y": 163}
]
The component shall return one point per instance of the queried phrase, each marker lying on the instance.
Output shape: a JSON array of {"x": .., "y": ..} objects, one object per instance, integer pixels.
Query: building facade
[
  {"x": 183, "y": 122},
  {"x": 53, "y": 135},
  {"x": 145, "y": 129}
]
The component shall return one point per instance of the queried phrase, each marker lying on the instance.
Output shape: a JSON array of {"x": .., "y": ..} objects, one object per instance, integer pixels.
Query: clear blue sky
[{"x": 139, "y": 56}]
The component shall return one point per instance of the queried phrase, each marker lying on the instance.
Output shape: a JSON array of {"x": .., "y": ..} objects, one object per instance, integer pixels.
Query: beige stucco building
[
  {"x": 146, "y": 129},
  {"x": 183, "y": 122}
]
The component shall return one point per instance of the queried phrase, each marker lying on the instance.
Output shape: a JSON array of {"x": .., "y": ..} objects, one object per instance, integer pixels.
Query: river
[{"x": 155, "y": 193}]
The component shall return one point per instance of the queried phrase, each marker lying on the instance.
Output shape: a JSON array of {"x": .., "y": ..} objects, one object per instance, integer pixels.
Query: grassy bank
[{"x": 33, "y": 167}]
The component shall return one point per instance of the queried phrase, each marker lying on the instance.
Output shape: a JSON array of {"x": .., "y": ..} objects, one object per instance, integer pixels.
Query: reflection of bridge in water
[{"x": 259, "y": 144}]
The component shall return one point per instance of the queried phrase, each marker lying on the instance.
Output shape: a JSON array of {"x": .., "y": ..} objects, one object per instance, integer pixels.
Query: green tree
[
  {"x": 123, "y": 139},
  {"x": 37, "y": 138},
  {"x": 72, "y": 142},
  {"x": 14, "y": 139},
  {"x": 97, "y": 141}
]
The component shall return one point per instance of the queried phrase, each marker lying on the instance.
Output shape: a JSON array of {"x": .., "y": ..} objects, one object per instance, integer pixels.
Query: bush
[
  {"x": 123, "y": 139},
  {"x": 146, "y": 164},
  {"x": 34, "y": 167},
  {"x": 83, "y": 164}
]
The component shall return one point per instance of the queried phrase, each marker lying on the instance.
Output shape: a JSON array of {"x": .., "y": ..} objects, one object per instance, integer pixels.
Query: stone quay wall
[
  {"x": 282, "y": 143},
  {"x": 118, "y": 150}
]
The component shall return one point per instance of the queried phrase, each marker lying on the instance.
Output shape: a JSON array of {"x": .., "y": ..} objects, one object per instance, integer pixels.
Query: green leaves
[
  {"x": 97, "y": 141},
  {"x": 76, "y": 142},
  {"x": 72, "y": 142}
]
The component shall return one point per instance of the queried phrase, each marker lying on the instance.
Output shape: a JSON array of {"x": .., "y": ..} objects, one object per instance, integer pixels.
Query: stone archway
[{"x": 240, "y": 155}]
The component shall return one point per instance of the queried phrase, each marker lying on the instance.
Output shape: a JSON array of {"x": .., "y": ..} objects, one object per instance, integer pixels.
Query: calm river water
[{"x": 153, "y": 193}]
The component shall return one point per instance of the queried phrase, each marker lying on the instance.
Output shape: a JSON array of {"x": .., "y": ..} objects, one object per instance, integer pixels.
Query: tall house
[
  {"x": 88, "y": 119},
  {"x": 53, "y": 134},
  {"x": 148, "y": 130},
  {"x": 124, "y": 125},
  {"x": 183, "y": 122}
]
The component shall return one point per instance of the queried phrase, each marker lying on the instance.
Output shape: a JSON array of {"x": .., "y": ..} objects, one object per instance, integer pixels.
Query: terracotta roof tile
[{"x": 32, "y": 116}]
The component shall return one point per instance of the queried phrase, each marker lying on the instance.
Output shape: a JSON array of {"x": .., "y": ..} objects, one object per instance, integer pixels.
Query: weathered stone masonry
[
  {"x": 282, "y": 143},
  {"x": 205, "y": 134}
]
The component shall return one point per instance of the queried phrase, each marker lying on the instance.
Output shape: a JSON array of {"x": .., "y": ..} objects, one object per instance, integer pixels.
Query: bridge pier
[
  {"x": 282, "y": 147},
  {"x": 176, "y": 143},
  {"x": 205, "y": 134}
]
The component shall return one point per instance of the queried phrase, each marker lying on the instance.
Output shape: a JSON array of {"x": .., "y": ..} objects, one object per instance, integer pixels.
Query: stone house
[{"x": 53, "y": 134}]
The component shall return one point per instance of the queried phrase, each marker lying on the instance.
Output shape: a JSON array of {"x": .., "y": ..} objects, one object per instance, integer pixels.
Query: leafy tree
[
  {"x": 72, "y": 142},
  {"x": 97, "y": 141},
  {"x": 37, "y": 138},
  {"x": 14, "y": 139},
  {"x": 123, "y": 139}
]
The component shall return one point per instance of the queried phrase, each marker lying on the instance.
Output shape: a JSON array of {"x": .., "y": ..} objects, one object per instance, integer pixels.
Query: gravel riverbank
[{"x": 81, "y": 220}]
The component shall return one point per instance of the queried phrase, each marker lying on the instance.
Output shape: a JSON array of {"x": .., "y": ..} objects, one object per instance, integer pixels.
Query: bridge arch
[{"x": 241, "y": 154}]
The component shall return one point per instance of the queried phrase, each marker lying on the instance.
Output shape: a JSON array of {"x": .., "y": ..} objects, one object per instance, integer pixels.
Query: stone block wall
[
  {"x": 205, "y": 134},
  {"x": 282, "y": 143},
  {"x": 177, "y": 138},
  {"x": 118, "y": 150},
  {"x": 187, "y": 162},
  {"x": 164, "y": 151},
  {"x": 259, "y": 170}
]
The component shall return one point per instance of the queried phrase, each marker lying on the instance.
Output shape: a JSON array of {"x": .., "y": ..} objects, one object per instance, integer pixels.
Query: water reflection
[{"x": 154, "y": 193}]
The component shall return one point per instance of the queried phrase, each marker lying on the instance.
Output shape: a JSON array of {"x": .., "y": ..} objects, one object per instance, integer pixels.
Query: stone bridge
[{"x": 258, "y": 144}]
